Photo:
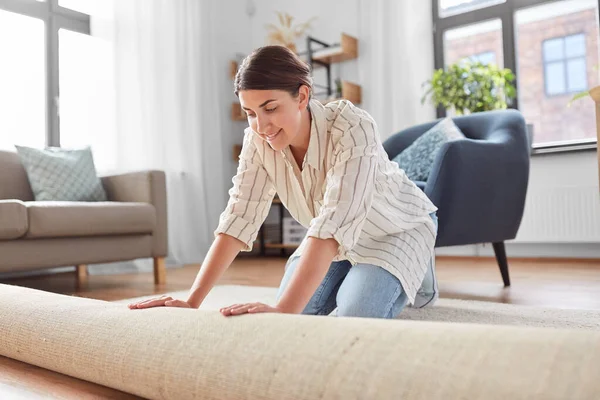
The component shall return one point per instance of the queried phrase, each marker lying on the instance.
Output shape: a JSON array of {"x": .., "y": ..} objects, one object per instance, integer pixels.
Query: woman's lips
[{"x": 273, "y": 136}]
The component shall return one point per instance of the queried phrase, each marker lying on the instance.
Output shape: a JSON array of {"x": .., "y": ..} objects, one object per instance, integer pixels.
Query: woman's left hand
[{"x": 250, "y": 308}]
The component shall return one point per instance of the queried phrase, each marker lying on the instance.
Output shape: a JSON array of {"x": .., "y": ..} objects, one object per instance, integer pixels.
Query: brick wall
[{"x": 552, "y": 119}]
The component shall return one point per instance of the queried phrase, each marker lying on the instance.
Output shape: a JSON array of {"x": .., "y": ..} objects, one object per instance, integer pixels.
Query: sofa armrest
[
  {"x": 479, "y": 187},
  {"x": 144, "y": 187}
]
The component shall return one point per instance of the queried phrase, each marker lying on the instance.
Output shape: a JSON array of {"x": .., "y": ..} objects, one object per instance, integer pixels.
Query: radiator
[{"x": 561, "y": 215}]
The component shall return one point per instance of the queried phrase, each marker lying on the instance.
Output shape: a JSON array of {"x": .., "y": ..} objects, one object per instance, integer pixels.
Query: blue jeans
[{"x": 364, "y": 290}]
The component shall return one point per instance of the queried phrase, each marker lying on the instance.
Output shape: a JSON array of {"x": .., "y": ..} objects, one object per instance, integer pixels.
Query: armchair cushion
[
  {"x": 74, "y": 219},
  {"x": 57, "y": 174},
  {"x": 418, "y": 158}
]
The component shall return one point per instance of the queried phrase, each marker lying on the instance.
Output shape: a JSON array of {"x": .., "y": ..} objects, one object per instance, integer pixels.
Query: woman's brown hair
[{"x": 273, "y": 68}]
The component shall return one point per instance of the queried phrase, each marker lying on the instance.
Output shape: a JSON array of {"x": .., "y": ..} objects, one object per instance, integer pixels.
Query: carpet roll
[{"x": 170, "y": 353}]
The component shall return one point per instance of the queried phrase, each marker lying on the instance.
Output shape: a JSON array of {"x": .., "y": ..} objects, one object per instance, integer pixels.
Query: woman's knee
[
  {"x": 364, "y": 308},
  {"x": 370, "y": 292}
]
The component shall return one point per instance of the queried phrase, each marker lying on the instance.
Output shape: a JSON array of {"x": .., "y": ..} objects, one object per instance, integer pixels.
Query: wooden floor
[
  {"x": 558, "y": 283},
  {"x": 549, "y": 283}
]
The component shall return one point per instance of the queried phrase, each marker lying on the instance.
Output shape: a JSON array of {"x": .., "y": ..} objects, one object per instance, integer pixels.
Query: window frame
[
  {"x": 564, "y": 61},
  {"x": 55, "y": 18},
  {"x": 504, "y": 11}
]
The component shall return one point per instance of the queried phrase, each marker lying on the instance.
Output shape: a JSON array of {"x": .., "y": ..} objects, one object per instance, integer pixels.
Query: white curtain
[
  {"x": 396, "y": 57},
  {"x": 166, "y": 112}
]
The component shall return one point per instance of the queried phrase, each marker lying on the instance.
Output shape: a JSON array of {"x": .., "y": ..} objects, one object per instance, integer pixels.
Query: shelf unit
[
  {"x": 346, "y": 50},
  {"x": 322, "y": 54},
  {"x": 283, "y": 247}
]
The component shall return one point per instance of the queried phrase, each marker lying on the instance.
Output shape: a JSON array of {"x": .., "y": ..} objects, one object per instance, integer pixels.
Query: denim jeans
[{"x": 364, "y": 290}]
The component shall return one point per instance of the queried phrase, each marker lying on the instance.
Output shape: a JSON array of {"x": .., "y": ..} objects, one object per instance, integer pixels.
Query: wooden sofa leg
[
  {"x": 82, "y": 274},
  {"x": 500, "y": 251},
  {"x": 160, "y": 271}
]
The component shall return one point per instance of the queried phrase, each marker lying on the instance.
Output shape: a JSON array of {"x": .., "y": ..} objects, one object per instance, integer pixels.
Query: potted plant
[{"x": 468, "y": 87}]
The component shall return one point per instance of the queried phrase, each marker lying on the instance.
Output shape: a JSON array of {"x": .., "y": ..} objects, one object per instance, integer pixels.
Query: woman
[{"x": 371, "y": 231}]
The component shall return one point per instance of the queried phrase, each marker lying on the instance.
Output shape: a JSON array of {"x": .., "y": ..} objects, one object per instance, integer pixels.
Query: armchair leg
[
  {"x": 160, "y": 271},
  {"x": 82, "y": 274},
  {"x": 500, "y": 251}
]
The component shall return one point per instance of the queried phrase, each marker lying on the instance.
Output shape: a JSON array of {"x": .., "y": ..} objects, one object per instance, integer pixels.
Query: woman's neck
[{"x": 300, "y": 143}]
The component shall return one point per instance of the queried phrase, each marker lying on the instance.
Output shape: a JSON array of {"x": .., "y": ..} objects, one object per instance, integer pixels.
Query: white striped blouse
[{"x": 347, "y": 189}]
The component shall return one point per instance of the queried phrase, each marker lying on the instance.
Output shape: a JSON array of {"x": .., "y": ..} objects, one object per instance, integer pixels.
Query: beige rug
[{"x": 448, "y": 310}]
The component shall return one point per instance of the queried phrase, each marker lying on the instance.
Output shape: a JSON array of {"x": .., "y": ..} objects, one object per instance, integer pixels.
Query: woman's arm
[
  {"x": 220, "y": 256},
  {"x": 310, "y": 272}
]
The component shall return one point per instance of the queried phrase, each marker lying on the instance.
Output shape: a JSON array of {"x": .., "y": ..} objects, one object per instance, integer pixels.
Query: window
[
  {"x": 476, "y": 42},
  {"x": 550, "y": 45},
  {"x": 22, "y": 81},
  {"x": 453, "y": 7},
  {"x": 564, "y": 64},
  {"x": 487, "y": 57},
  {"x": 29, "y": 71}
]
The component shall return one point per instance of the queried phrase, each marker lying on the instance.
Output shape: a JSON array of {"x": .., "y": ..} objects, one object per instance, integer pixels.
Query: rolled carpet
[{"x": 170, "y": 353}]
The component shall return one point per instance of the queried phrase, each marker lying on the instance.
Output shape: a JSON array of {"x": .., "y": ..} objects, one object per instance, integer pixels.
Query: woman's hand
[
  {"x": 250, "y": 308},
  {"x": 162, "y": 301}
]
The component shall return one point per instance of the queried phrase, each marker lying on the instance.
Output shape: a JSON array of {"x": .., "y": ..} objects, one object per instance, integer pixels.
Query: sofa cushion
[
  {"x": 13, "y": 219},
  {"x": 61, "y": 219},
  {"x": 58, "y": 174},
  {"x": 418, "y": 158}
]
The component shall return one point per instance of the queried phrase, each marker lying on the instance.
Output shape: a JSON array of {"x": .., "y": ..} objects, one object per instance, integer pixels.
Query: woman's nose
[{"x": 261, "y": 125}]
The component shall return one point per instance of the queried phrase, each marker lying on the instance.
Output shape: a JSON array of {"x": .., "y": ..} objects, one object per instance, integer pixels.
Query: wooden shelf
[
  {"x": 236, "y": 112},
  {"x": 347, "y": 50},
  {"x": 237, "y": 150},
  {"x": 350, "y": 91},
  {"x": 233, "y": 67}
]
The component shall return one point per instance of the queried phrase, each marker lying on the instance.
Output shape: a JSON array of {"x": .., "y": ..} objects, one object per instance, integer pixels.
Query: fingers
[
  {"x": 154, "y": 302},
  {"x": 177, "y": 303},
  {"x": 238, "y": 309}
]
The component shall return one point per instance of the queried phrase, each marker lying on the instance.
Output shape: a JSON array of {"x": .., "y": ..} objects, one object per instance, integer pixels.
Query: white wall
[{"x": 240, "y": 33}]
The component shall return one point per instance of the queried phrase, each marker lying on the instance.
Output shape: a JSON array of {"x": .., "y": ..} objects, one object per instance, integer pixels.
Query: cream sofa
[{"x": 44, "y": 234}]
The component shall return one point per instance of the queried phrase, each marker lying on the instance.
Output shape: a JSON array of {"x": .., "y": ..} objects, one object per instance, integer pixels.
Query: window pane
[
  {"x": 554, "y": 49},
  {"x": 453, "y": 7},
  {"x": 472, "y": 41},
  {"x": 22, "y": 81},
  {"x": 485, "y": 58},
  {"x": 555, "y": 78},
  {"x": 575, "y": 46},
  {"x": 86, "y": 94},
  {"x": 83, "y": 6},
  {"x": 553, "y": 121},
  {"x": 576, "y": 76}
]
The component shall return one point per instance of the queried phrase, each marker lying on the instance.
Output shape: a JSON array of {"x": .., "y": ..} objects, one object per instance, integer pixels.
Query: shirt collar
[{"x": 318, "y": 135}]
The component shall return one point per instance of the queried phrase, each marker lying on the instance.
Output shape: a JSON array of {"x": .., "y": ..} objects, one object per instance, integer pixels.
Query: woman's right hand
[{"x": 162, "y": 301}]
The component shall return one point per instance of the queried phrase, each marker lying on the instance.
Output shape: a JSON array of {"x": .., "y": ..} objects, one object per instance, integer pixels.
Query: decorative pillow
[
  {"x": 58, "y": 174},
  {"x": 417, "y": 159}
]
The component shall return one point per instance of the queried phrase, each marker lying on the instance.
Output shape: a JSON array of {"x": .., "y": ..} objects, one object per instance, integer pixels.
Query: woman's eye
[
  {"x": 250, "y": 115},
  {"x": 270, "y": 109}
]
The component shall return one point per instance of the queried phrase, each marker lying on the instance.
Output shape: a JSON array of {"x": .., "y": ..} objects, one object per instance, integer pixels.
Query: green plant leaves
[{"x": 470, "y": 86}]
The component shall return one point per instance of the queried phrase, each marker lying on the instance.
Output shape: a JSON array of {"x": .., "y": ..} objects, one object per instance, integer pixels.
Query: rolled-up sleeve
[
  {"x": 250, "y": 197},
  {"x": 350, "y": 185}
]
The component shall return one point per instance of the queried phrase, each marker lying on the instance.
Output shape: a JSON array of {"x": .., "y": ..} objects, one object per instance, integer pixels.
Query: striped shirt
[{"x": 347, "y": 189}]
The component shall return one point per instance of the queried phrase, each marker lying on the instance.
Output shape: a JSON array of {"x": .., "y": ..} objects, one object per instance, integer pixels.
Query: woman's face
[{"x": 275, "y": 115}]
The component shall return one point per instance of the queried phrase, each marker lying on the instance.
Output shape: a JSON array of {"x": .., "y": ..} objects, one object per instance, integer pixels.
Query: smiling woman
[{"x": 370, "y": 230}]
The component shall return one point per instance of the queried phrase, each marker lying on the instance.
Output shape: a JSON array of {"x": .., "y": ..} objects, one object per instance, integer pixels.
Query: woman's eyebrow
[{"x": 262, "y": 105}]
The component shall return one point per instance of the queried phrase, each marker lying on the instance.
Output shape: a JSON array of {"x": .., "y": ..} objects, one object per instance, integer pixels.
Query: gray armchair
[{"x": 478, "y": 184}]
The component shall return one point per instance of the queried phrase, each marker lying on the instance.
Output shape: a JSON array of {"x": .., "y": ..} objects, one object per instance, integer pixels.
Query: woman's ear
[{"x": 303, "y": 96}]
